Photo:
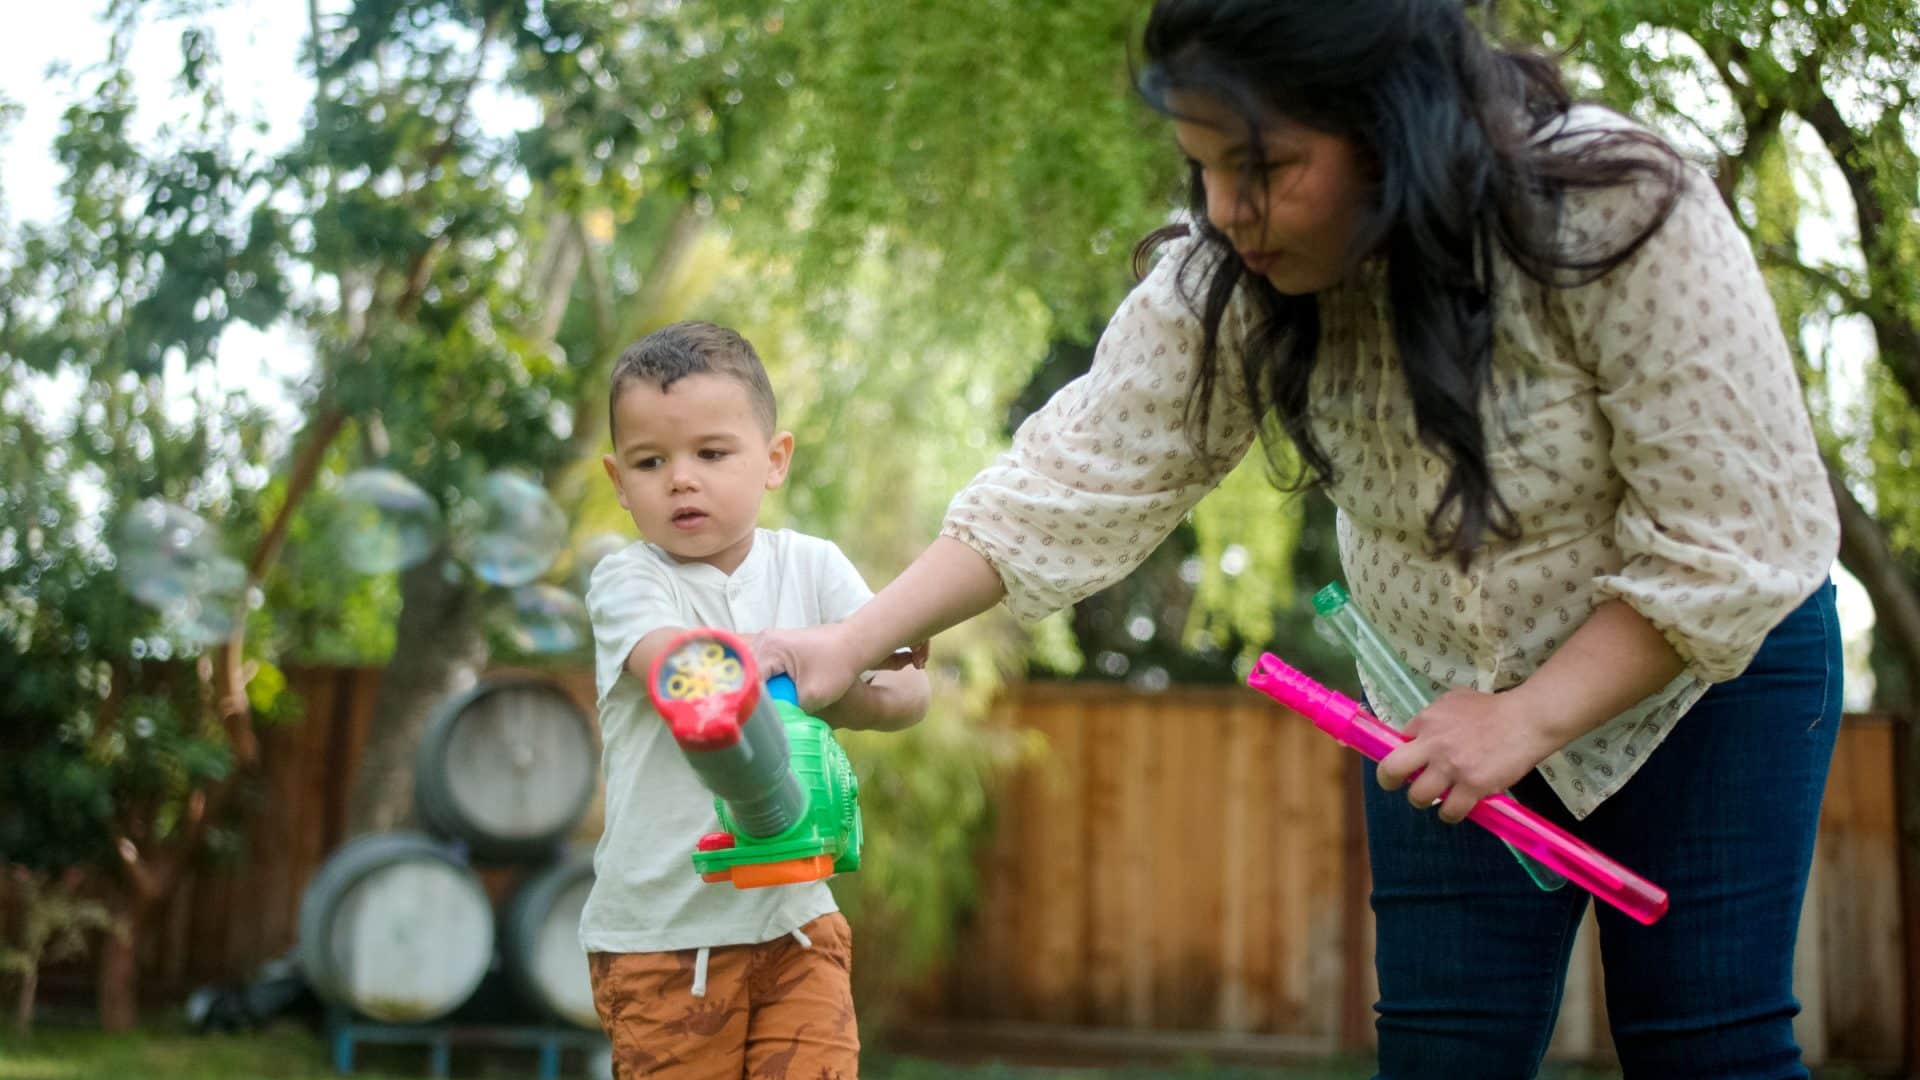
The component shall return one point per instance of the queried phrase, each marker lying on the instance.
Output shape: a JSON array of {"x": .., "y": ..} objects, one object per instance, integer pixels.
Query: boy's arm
[
  {"x": 640, "y": 660},
  {"x": 881, "y": 701}
]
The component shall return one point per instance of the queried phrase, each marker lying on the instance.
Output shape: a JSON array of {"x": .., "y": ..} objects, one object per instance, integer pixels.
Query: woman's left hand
[{"x": 1465, "y": 746}]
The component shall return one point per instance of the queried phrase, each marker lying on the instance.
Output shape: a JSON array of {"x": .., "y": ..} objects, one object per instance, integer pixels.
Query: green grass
[
  {"x": 293, "y": 1053},
  {"x": 283, "y": 1054}
]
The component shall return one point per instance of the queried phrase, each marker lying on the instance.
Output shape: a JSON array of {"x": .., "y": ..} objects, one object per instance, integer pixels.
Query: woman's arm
[
  {"x": 947, "y": 585},
  {"x": 1469, "y": 744}
]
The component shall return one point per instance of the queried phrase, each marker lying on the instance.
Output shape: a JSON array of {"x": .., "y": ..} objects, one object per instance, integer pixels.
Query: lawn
[
  {"x": 290, "y": 1052},
  {"x": 293, "y": 1053}
]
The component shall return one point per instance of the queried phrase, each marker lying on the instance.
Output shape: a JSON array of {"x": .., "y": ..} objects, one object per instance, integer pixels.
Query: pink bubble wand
[{"x": 1352, "y": 725}]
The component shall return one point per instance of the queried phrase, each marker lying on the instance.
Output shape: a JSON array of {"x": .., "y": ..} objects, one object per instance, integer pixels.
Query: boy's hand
[
  {"x": 904, "y": 658},
  {"x": 881, "y": 701}
]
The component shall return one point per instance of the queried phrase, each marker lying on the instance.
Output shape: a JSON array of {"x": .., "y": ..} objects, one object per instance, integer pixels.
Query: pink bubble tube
[{"x": 1352, "y": 725}]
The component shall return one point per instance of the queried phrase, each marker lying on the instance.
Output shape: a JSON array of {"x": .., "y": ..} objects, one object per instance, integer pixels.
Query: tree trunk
[
  {"x": 437, "y": 650},
  {"x": 117, "y": 986},
  {"x": 620, "y": 319},
  {"x": 29, "y": 989}
]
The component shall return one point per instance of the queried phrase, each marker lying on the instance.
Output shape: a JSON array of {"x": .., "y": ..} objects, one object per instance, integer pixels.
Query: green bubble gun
[
  {"x": 1339, "y": 621},
  {"x": 786, "y": 795}
]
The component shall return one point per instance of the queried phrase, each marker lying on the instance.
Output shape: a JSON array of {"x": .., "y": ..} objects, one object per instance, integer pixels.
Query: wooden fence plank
[
  {"x": 1860, "y": 922},
  {"x": 1052, "y": 871},
  {"x": 1119, "y": 954}
]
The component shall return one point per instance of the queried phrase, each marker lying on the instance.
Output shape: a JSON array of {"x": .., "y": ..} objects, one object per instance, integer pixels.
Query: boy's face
[{"x": 691, "y": 464}]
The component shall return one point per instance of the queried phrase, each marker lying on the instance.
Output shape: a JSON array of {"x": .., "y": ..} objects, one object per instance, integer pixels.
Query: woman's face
[{"x": 1295, "y": 224}]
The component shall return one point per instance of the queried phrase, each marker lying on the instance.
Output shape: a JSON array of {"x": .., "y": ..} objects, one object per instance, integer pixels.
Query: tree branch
[
  {"x": 1868, "y": 555},
  {"x": 641, "y": 311},
  {"x": 1898, "y": 335}
]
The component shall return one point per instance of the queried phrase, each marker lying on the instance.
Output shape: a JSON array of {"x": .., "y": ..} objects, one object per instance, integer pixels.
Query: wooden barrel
[
  {"x": 506, "y": 768},
  {"x": 540, "y": 941},
  {"x": 395, "y": 928}
]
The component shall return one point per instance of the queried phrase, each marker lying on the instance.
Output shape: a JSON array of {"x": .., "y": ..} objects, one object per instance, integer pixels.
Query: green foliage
[
  {"x": 155, "y": 254},
  {"x": 889, "y": 156},
  {"x": 54, "y": 924},
  {"x": 317, "y": 609},
  {"x": 412, "y": 242},
  {"x": 924, "y": 794},
  {"x": 1244, "y": 539},
  {"x": 101, "y": 717}
]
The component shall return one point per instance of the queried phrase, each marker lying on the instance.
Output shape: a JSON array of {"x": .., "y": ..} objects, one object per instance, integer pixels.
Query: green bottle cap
[{"x": 1330, "y": 599}]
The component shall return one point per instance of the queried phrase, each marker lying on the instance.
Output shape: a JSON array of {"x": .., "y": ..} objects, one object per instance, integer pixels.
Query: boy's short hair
[{"x": 676, "y": 351}]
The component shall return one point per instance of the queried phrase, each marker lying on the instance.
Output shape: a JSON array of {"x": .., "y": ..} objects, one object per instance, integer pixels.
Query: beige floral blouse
[{"x": 1647, "y": 430}]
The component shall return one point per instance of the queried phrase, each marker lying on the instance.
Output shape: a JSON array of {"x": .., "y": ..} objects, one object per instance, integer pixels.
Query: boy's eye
[
  {"x": 647, "y": 463},
  {"x": 712, "y": 455}
]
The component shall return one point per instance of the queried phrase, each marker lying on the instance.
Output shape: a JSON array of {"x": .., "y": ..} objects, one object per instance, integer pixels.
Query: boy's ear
[
  {"x": 613, "y": 474},
  {"x": 780, "y": 455}
]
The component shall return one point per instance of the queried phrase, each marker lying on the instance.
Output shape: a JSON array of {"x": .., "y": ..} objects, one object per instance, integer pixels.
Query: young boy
[{"x": 692, "y": 979}]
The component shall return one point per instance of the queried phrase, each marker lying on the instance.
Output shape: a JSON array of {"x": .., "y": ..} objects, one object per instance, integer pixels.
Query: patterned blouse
[{"x": 1647, "y": 431}]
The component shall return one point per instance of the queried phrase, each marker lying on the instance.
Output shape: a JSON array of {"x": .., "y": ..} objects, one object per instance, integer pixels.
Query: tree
[
  {"x": 412, "y": 283},
  {"x": 55, "y": 923},
  {"x": 824, "y": 165}
]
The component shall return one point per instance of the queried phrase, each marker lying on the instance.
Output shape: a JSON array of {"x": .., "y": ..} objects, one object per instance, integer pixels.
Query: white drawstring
[{"x": 700, "y": 962}]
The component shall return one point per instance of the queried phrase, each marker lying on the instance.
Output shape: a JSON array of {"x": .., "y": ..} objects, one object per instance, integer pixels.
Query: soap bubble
[
  {"x": 171, "y": 560},
  {"x": 588, "y": 554},
  {"x": 383, "y": 522},
  {"x": 513, "y": 532},
  {"x": 1234, "y": 560},
  {"x": 542, "y": 619}
]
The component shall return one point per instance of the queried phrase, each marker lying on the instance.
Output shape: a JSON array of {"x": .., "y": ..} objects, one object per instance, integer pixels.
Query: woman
[{"x": 1528, "y": 354}]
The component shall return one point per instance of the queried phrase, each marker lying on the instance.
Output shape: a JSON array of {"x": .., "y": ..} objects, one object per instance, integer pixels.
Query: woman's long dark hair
[{"x": 1460, "y": 141}]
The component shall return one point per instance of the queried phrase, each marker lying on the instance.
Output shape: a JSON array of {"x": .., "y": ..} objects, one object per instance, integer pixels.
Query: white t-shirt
[{"x": 646, "y": 896}]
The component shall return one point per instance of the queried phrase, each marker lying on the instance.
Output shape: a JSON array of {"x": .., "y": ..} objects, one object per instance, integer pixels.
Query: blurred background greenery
[{"x": 260, "y": 249}]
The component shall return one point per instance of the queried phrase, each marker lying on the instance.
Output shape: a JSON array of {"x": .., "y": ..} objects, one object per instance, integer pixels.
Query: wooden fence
[
  {"x": 1192, "y": 862},
  {"x": 1183, "y": 868},
  {"x": 240, "y": 909}
]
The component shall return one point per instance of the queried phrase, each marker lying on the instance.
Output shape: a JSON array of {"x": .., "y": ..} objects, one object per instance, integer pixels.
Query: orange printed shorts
[{"x": 779, "y": 1010}]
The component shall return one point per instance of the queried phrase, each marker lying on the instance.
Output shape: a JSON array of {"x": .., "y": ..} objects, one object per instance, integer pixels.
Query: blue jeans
[{"x": 1472, "y": 956}]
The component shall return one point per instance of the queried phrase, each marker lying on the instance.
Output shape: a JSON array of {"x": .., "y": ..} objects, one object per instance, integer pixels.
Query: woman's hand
[
  {"x": 817, "y": 658},
  {"x": 1465, "y": 746},
  {"x": 1472, "y": 744}
]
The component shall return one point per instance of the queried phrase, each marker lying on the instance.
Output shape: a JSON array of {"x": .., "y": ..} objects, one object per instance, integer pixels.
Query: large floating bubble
[
  {"x": 171, "y": 560},
  {"x": 543, "y": 619},
  {"x": 588, "y": 553},
  {"x": 384, "y": 522},
  {"x": 513, "y": 532}
]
